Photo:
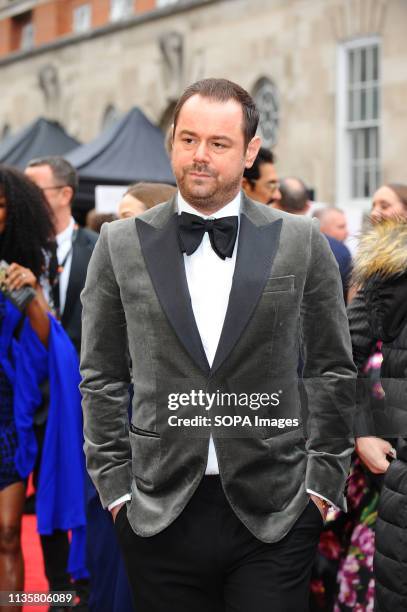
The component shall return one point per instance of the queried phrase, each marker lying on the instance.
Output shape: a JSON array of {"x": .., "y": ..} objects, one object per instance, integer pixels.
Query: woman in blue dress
[{"x": 26, "y": 237}]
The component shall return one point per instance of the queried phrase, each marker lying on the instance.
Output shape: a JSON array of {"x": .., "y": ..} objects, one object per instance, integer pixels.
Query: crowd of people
[{"x": 44, "y": 259}]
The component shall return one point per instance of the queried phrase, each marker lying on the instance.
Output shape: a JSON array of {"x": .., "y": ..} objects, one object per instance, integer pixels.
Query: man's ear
[
  {"x": 67, "y": 192},
  {"x": 245, "y": 184},
  {"x": 169, "y": 140},
  {"x": 252, "y": 150}
]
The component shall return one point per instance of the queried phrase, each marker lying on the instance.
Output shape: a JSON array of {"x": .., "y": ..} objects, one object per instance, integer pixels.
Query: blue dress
[
  {"x": 26, "y": 363},
  {"x": 8, "y": 432}
]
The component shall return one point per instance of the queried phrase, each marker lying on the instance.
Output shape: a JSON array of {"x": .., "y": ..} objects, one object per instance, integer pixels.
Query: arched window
[
  {"x": 110, "y": 116},
  {"x": 267, "y": 101}
]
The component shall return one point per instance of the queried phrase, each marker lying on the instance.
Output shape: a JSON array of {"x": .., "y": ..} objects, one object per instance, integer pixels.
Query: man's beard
[{"x": 214, "y": 196}]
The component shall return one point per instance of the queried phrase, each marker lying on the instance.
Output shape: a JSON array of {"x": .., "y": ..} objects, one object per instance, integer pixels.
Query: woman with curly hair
[{"x": 26, "y": 235}]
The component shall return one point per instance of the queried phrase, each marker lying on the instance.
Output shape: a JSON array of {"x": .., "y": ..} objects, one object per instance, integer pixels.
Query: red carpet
[{"x": 34, "y": 568}]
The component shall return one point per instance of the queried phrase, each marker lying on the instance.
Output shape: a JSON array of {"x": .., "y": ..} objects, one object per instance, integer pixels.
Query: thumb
[
  {"x": 380, "y": 466},
  {"x": 386, "y": 447}
]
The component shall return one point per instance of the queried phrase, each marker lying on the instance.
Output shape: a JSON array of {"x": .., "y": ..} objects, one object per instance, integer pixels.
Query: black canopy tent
[
  {"x": 129, "y": 151},
  {"x": 39, "y": 138}
]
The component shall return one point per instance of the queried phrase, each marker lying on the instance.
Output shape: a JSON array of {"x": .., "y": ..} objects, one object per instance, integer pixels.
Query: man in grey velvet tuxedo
[{"x": 209, "y": 296}]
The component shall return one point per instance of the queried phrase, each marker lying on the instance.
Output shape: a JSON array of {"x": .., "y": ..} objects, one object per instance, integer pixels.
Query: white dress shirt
[
  {"x": 209, "y": 281},
  {"x": 64, "y": 248}
]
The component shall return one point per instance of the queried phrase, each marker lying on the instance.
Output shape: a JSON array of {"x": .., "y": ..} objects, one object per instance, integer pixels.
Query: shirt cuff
[
  {"x": 120, "y": 500},
  {"x": 311, "y": 492}
]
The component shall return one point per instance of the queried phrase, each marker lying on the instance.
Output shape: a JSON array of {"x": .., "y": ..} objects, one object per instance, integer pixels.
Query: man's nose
[
  {"x": 201, "y": 153},
  {"x": 277, "y": 195}
]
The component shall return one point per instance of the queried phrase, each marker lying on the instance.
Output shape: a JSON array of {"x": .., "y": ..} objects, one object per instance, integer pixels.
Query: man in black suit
[
  {"x": 58, "y": 181},
  {"x": 211, "y": 296}
]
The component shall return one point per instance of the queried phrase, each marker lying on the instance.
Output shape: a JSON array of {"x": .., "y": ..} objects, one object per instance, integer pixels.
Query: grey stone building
[{"x": 329, "y": 76}]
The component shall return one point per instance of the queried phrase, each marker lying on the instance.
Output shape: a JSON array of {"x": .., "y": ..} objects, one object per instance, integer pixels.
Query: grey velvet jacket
[{"x": 286, "y": 296}]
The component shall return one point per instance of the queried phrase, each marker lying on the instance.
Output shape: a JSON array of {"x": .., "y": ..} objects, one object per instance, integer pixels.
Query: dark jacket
[
  {"x": 344, "y": 260},
  {"x": 81, "y": 253},
  {"x": 379, "y": 312}
]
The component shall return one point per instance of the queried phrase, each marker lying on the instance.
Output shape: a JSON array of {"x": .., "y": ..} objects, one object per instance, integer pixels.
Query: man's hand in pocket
[
  {"x": 115, "y": 511},
  {"x": 321, "y": 504}
]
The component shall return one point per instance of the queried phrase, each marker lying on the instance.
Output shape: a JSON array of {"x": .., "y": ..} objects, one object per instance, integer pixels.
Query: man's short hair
[
  {"x": 294, "y": 195},
  {"x": 223, "y": 90},
  {"x": 264, "y": 156},
  {"x": 151, "y": 194},
  {"x": 63, "y": 172},
  {"x": 323, "y": 212}
]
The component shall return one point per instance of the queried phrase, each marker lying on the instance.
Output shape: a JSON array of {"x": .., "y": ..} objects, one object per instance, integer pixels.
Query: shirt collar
[
  {"x": 66, "y": 235},
  {"x": 231, "y": 209}
]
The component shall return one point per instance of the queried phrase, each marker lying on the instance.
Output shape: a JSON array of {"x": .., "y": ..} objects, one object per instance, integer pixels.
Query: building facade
[{"x": 329, "y": 76}]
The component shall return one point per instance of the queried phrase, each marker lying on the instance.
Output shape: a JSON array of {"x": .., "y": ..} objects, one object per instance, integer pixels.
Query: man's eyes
[{"x": 215, "y": 144}]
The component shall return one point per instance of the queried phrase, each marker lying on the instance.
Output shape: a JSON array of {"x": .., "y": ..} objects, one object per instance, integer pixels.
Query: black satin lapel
[
  {"x": 77, "y": 277},
  {"x": 165, "y": 265},
  {"x": 256, "y": 251}
]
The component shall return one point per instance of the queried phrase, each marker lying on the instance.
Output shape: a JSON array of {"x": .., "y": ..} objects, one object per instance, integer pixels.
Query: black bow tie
[{"x": 222, "y": 233}]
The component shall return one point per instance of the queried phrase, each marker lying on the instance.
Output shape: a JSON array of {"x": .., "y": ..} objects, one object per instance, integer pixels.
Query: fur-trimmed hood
[{"x": 382, "y": 251}]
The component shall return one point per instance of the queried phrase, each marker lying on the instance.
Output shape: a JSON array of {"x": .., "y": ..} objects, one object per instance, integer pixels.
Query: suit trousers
[{"x": 208, "y": 561}]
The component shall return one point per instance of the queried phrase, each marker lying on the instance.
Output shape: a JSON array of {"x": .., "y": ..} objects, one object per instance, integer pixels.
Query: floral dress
[{"x": 342, "y": 579}]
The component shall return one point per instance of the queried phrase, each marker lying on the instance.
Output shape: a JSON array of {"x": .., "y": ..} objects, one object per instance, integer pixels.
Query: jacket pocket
[
  {"x": 145, "y": 455},
  {"x": 280, "y": 284},
  {"x": 143, "y": 432}
]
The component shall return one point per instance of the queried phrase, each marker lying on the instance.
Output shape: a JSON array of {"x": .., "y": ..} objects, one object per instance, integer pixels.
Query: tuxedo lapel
[
  {"x": 165, "y": 265},
  {"x": 77, "y": 275},
  {"x": 257, "y": 248}
]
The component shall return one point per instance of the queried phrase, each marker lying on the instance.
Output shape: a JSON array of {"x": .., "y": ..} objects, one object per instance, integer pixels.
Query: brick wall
[
  {"x": 5, "y": 37},
  {"x": 46, "y": 22},
  {"x": 53, "y": 19},
  {"x": 100, "y": 12},
  {"x": 143, "y": 6}
]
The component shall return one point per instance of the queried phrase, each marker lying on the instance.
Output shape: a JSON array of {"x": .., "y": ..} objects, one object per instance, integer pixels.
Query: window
[
  {"x": 82, "y": 18},
  {"x": 27, "y": 36},
  {"x": 359, "y": 120},
  {"x": 266, "y": 98},
  {"x": 162, "y": 3},
  {"x": 120, "y": 9}
]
